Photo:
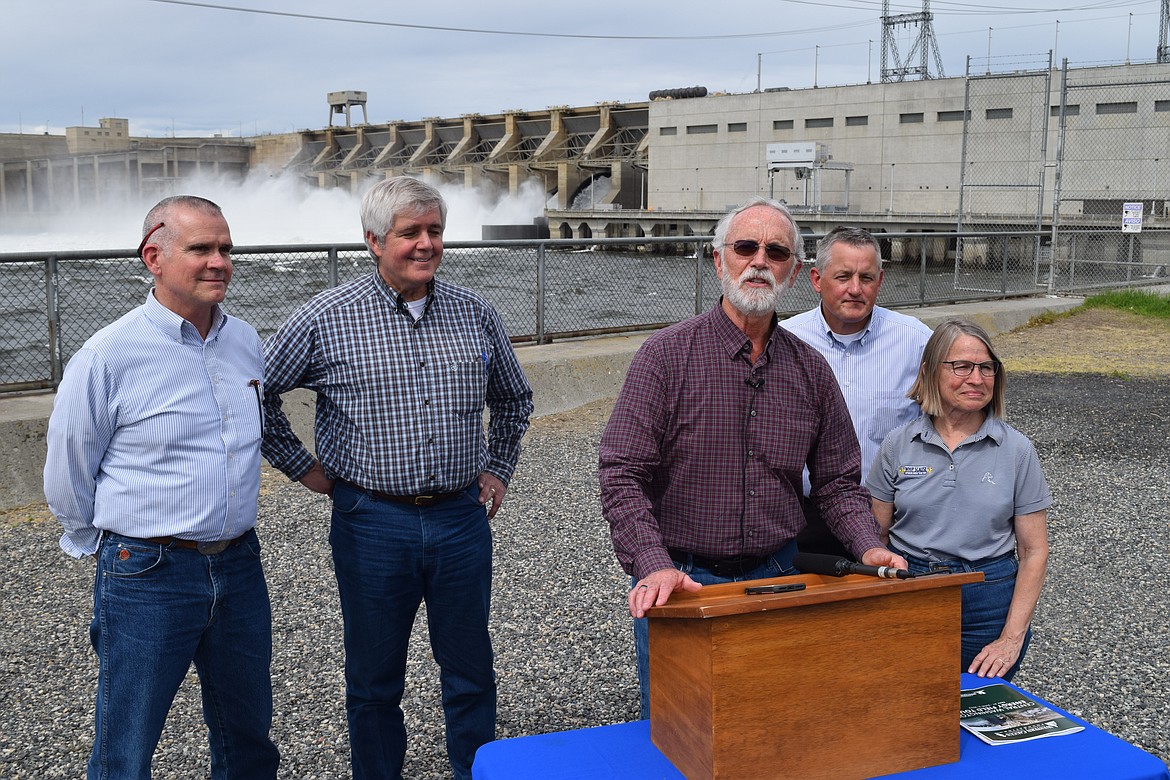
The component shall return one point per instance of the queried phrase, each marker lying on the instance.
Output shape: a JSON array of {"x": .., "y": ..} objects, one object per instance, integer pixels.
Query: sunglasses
[{"x": 777, "y": 253}]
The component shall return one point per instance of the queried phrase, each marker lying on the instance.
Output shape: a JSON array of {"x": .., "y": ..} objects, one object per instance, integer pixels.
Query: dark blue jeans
[
  {"x": 985, "y": 604},
  {"x": 156, "y": 610},
  {"x": 779, "y": 564},
  {"x": 390, "y": 557}
]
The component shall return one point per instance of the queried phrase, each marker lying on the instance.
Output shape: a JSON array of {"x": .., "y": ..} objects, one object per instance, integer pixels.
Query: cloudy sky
[{"x": 246, "y": 67}]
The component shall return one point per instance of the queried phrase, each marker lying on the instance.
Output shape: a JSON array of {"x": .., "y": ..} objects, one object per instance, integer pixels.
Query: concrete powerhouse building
[{"x": 1020, "y": 148}]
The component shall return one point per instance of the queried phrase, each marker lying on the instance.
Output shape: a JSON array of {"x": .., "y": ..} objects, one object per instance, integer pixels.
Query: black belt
[
  {"x": 721, "y": 567},
  {"x": 421, "y": 500},
  {"x": 206, "y": 548}
]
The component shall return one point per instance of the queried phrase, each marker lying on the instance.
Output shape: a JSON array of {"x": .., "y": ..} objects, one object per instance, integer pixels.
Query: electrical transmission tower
[
  {"x": 1163, "y": 28},
  {"x": 894, "y": 68}
]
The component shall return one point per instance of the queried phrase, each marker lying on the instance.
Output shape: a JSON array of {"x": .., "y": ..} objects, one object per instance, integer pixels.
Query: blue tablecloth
[{"x": 624, "y": 752}]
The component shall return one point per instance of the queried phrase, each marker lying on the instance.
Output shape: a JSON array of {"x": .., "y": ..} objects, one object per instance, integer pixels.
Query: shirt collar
[
  {"x": 398, "y": 301},
  {"x": 992, "y": 428},
  {"x": 734, "y": 340},
  {"x": 175, "y": 326},
  {"x": 870, "y": 327}
]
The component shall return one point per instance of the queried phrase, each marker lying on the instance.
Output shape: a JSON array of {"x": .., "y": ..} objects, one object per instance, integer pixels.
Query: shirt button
[
  {"x": 427, "y": 402},
  {"x": 751, "y": 453},
  {"x": 752, "y": 412}
]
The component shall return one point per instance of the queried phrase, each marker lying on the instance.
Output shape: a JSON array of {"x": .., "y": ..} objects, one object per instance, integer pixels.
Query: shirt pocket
[{"x": 465, "y": 379}]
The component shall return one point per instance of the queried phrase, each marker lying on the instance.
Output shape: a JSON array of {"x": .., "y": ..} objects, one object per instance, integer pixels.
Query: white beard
[{"x": 753, "y": 300}]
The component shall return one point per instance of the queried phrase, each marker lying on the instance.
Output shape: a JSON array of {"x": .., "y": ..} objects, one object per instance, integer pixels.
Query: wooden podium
[{"x": 852, "y": 677}]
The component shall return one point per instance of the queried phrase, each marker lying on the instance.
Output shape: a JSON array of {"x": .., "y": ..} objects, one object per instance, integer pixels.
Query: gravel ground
[{"x": 563, "y": 643}]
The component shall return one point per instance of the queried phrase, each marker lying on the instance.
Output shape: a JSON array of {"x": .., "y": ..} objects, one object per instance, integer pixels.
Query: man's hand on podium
[
  {"x": 655, "y": 588},
  {"x": 880, "y": 556}
]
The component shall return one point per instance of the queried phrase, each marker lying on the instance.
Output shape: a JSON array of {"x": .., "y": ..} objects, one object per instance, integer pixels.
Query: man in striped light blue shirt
[
  {"x": 153, "y": 468},
  {"x": 874, "y": 353},
  {"x": 403, "y": 365}
]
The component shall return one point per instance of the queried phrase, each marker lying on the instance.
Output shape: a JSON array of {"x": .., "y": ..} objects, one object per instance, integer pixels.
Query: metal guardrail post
[
  {"x": 332, "y": 267},
  {"x": 699, "y": 277},
  {"x": 922, "y": 273},
  {"x": 1129, "y": 261},
  {"x": 53, "y": 310},
  {"x": 540, "y": 293},
  {"x": 1003, "y": 265}
]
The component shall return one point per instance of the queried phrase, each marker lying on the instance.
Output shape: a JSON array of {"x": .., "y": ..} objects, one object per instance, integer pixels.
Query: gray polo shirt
[{"x": 961, "y": 504}]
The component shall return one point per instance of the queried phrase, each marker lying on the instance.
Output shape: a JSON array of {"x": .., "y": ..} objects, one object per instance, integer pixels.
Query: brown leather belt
[
  {"x": 206, "y": 548},
  {"x": 431, "y": 500}
]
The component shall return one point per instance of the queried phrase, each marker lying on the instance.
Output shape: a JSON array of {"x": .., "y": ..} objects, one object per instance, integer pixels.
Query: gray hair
[
  {"x": 720, "y": 236},
  {"x": 391, "y": 198},
  {"x": 856, "y": 237},
  {"x": 156, "y": 218}
]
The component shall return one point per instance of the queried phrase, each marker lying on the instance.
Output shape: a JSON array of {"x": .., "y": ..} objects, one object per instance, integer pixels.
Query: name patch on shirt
[{"x": 915, "y": 471}]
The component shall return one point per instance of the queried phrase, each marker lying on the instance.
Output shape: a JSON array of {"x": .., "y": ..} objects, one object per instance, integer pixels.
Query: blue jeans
[
  {"x": 158, "y": 608},
  {"x": 985, "y": 604},
  {"x": 779, "y": 564},
  {"x": 390, "y": 557}
]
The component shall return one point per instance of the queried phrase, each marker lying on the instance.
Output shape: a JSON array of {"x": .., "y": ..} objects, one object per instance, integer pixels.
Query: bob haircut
[
  {"x": 720, "y": 236},
  {"x": 925, "y": 391},
  {"x": 391, "y": 198}
]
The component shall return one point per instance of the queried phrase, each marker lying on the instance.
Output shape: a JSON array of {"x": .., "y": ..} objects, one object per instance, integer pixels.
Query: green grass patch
[{"x": 1137, "y": 301}]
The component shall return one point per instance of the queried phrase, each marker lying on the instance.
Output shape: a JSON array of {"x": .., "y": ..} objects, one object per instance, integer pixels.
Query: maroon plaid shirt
[{"x": 704, "y": 452}]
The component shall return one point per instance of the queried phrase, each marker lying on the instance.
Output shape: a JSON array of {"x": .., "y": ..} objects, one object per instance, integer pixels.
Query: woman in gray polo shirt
[{"x": 960, "y": 490}]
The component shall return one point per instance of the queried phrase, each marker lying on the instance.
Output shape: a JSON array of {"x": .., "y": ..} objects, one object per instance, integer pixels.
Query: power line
[
  {"x": 474, "y": 30},
  {"x": 955, "y": 7}
]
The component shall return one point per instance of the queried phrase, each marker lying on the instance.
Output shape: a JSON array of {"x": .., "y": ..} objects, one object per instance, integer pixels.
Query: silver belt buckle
[{"x": 213, "y": 548}]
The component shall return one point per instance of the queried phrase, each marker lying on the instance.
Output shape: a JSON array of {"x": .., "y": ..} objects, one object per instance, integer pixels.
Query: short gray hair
[
  {"x": 856, "y": 237},
  {"x": 156, "y": 218},
  {"x": 391, "y": 198}
]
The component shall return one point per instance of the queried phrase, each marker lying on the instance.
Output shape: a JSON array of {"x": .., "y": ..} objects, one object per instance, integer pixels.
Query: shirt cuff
[
  {"x": 652, "y": 560},
  {"x": 86, "y": 545}
]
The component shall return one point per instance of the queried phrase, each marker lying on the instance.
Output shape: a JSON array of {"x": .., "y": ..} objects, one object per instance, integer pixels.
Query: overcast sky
[{"x": 195, "y": 68}]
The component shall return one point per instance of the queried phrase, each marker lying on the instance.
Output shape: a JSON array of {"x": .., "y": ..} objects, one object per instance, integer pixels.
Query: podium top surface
[{"x": 729, "y": 598}]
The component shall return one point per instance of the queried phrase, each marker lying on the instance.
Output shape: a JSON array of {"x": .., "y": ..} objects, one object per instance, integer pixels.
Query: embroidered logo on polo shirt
[{"x": 915, "y": 471}]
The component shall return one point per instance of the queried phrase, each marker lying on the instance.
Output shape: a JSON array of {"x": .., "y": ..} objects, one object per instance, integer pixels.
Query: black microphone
[
  {"x": 754, "y": 382},
  {"x": 836, "y": 566}
]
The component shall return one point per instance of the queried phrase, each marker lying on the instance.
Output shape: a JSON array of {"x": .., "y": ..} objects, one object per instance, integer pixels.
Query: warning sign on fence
[{"x": 1131, "y": 217}]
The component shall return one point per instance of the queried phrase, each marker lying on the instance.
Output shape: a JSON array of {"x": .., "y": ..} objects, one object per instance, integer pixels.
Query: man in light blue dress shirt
[
  {"x": 153, "y": 468},
  {"x": 874, "y": 353}
]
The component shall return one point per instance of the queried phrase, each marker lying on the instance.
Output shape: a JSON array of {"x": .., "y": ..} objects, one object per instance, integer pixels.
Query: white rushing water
[{"x": 269, "y": 209}]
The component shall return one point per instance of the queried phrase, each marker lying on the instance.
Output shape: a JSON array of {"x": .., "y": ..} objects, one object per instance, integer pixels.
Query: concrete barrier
[{"x": 564, "y": 375}]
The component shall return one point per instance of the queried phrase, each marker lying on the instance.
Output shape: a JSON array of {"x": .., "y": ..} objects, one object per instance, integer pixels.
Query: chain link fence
[
  {"x": 544, "y": 290},
  {"x": 1066, "y": 150},
  {"x": 1115, "y": 140},
  {"x": 1003, "y": 172}
]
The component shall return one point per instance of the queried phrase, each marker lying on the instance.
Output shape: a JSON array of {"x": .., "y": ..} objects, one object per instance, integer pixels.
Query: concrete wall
[{"x": 906, "y": 140}]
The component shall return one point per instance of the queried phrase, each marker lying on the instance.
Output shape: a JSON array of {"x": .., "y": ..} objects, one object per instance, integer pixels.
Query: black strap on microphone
[{"x": 836, "y": 566}]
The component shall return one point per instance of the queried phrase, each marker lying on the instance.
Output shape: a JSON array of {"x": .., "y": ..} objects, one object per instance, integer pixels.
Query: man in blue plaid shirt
[{"x": 403, "y": 365}]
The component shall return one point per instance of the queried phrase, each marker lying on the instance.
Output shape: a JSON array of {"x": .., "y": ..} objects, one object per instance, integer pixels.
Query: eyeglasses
[
  {"x": 146, "y": 238},
  {"x": 777, "y": 253},
  {"x": 965, "y": 367}
]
